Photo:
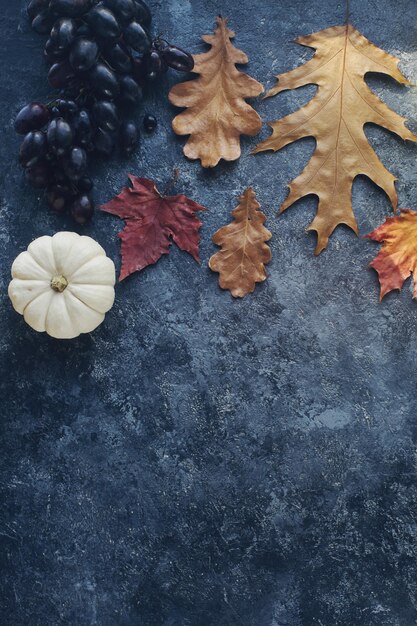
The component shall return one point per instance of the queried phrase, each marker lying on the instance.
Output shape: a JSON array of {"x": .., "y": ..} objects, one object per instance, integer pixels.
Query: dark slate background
[{"x": 200, "y": 461}]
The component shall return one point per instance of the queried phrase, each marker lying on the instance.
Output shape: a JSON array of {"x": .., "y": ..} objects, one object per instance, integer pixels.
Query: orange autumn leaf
[
  {"x": 335, "y": 117},
  {"x": 244, "y": 252},
  {"x": 216, "y": 112},
  {"x": 397, "y": 259}
]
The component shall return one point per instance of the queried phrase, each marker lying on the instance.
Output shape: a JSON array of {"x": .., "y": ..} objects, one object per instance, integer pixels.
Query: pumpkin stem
[{"x": 59, "y": 283}]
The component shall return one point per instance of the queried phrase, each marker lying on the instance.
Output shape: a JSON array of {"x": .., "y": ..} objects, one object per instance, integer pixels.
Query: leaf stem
[{"x": 347, "y": 16}]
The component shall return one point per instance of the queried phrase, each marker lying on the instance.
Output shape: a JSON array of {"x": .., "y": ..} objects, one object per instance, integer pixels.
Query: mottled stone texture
[{"x": 199, "y": 461}]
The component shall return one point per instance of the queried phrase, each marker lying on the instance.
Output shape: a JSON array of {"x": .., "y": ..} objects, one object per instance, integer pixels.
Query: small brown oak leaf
[{"x": 244, "y": 252}]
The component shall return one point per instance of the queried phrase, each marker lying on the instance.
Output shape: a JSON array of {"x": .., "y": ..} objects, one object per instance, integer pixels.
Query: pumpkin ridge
[
  {"x": 82, "y": 301},
  {"x": 57, "y": 265},
  {"x": 49, "y": 270}
]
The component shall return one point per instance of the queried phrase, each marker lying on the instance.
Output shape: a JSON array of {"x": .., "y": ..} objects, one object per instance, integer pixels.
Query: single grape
[
  {"x": 60, "y": 136},
  {"x": 35, "y": 7},
  {"x": 103, "y": 23},
  {"x": 84, "y": 31},
  {"x": 129, "y": 136},
  {"x": 177, "y": 59},
  {"x": 32, "y": 149},
  {"x": 85, "y": 184},
  {"x": 52, "y": 53},
  {"x": 150, "y": 123},
  {"x": 57, "y": 197},
  {"x": 103, "y": 81},
  {"x": 130, "y": 92},
  {"x": 105, "y": 114},
  {"x": 67, "y": 107},
  {"x": 82, "y": 209},
  {"x": 75, "y": 163},
  {"x": 38, "y": 176},
  {"x": 83, "y": 55},
  {"x": 117, "y": 58},
  {"x": 142, "y": 13},
  {"x": 42, "y": 23},
  {"x": 155, "y": 65},
  {"x": 83, "y": 129},
  {"x": 59, "y": 74},
  {"x": 70, "y": 8},
  {"x": 33, "y": 116},
  {"x": 124, "y": 10},
  {"x": 136, "y": 37},
  {"x": 64, "y": 32},
  {"x": 104, "y": 142}
]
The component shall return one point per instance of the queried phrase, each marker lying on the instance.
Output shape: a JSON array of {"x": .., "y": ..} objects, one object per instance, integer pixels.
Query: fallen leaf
[
  {"x": 335, "y": 117},
  {"x": 216, "y": 113},
  {"x": 241, "y": 261},
  {"x": 397, "y": 259},
  {"x": 152, "y": 222}
]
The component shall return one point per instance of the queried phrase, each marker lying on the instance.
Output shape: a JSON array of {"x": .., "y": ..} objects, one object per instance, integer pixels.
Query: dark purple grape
[
  {"x": 52, "y": 53},
  {"x": 33, "y": 116},
  {"x": 59, "y": 74},
  {"x": 60, "y": 136},
  {"x": 124, "y": 10},
  {"x": 136, "y": 37},
  {"x": 103, "y": 23},
  {"x": 58, "y": 197},
  {"x": 38, "y": 176},
  {"x": 155, "y": 65},
  {"x": 64, "y": 33},
  {"x": 117, "y": 58},
  {"x": 75, "y": 163},
  {"x": 104, "y": 142},
  {"x": 142, "y": 13},
  {"x": 84, "y": 31},
  {"x": 70, "y": 8},
  {"x": 178, "y": 59},
  {"x": 42, "y": 23},
  {"x": 82, "y": 209},
  {"x": 105, "y": 115},
  {"x": 130, "y": 92},
  {"x": 139, "y": 68},
  {"x": 83, "y": 129},
  {"x": 35, "y": 7},
  {"x": 103, "y": 81},
  {"x": 150, "y": 123},
  {"x": 83, "y": 55},
  {"x": 32, "y": 149},
  {"x": 129, "y": 136},
  {"x": 66, "y": 107},
  {"x": 85, "y": 184}
]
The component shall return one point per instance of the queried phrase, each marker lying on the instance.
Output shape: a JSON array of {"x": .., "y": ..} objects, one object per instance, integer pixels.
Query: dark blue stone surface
[{"x": 200, "y": 461}]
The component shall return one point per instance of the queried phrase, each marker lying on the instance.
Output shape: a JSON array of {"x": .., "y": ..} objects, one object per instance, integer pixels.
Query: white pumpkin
[{"x": 63, "y": 285}]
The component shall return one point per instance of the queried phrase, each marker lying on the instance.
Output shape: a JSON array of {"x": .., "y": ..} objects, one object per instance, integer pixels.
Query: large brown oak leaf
[
  {"x": 244, "y": 252},
  {"x": 335, "y": 117},
  {"x": 216, "y": 112},
  {"x": 153, "y": 221}
]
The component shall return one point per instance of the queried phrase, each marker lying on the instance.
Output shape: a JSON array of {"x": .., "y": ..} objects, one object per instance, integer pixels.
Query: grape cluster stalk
[{"x": 101, "y": 56}]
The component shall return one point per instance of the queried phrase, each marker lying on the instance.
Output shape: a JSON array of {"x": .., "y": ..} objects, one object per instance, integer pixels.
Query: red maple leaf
[{"x": 153, "y": 221}]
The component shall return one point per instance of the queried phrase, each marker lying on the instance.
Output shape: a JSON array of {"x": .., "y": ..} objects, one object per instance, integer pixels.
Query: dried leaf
[
  {"x": 152, "y": 222},
  {"x": 397, "y": 259},
  {"x": 336, "y": 117},
  {"x": 217, "y": 113},
  {"x": 244, "y": 252}
]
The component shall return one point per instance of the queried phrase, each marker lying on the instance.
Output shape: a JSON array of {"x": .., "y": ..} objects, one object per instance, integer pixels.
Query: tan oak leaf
[
  {"x": 216, "y": 113},
  {"x": 335, "y": 117}
]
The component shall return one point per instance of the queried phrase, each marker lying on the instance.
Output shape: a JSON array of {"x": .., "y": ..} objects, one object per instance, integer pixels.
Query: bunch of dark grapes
[{"x": 101, "y": 57}]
